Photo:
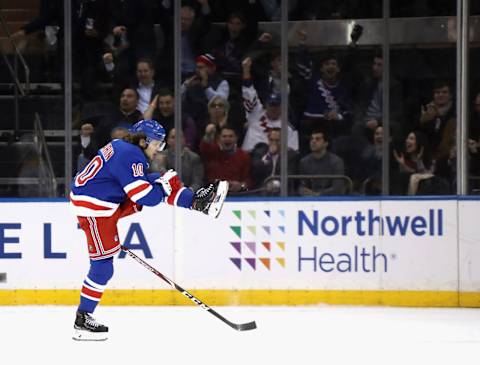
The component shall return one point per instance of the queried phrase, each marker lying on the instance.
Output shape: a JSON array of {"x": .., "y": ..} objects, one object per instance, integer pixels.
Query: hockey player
[{"x": 113, "y": 185}]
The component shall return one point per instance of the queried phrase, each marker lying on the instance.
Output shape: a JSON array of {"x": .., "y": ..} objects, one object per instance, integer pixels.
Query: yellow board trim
[{"x": 249, "y": 297}]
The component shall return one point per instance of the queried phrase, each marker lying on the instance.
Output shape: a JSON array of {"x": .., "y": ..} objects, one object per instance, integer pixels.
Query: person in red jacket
[{"x": 223, "y": 160}]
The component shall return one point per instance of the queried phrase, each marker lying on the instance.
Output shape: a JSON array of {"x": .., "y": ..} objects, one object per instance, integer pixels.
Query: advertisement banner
[
  {"x": 382, "y": 246},
  {"x": 42, "y": 247},
  {"x": 372, "y": 245}
]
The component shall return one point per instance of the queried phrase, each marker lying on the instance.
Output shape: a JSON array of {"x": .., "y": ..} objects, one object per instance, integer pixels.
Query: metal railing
[{"x": 47, "y": 180}]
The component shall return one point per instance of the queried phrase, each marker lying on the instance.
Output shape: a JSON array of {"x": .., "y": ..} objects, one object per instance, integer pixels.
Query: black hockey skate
[
  {"x": 209, "y": 199},
  {"x": 88, "y": 329}
]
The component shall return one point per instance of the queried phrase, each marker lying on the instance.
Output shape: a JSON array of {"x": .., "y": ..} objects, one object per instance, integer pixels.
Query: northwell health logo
[{"x": 253, "y": 244}]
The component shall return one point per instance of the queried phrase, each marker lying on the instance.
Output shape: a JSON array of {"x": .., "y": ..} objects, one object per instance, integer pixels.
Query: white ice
[{"x": 285, "y": 335}]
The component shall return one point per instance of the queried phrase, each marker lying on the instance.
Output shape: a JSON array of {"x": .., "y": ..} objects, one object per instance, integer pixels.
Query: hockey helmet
[{"x": 152, "y": 129}]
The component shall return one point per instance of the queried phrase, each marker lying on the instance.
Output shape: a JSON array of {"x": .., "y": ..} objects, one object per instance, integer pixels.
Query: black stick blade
[{"x": 245, "y": 326}]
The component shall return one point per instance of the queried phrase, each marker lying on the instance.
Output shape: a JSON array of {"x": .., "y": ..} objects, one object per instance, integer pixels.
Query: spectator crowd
[{"x": 231, "y": 105}]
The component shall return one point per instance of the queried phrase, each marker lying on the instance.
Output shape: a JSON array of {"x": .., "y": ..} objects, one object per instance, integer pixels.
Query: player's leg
[
  {"x": 86, "y": 327},
  {"x": 103, "y": 243},
  {"x": 209, "y": 199}
]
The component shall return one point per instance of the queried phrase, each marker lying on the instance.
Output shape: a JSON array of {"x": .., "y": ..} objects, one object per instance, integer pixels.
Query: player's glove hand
[{"x": 169, "y": 182}]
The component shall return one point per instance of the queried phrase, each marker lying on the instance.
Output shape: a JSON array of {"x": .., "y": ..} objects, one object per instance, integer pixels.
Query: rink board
[{"x": 422, "y": 252}]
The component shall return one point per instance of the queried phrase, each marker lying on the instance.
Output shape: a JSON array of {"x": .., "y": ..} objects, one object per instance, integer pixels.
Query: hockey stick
[{"x": 238, "y": 327}]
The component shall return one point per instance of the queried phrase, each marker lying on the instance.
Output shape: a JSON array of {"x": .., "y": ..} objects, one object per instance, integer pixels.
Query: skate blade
[
  {"x": 220, "y": 195},
  {"x": 81, "y": 335}
]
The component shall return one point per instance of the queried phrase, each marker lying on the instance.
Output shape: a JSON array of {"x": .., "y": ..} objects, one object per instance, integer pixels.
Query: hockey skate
[
  {"x": 88, "y": 329},
  {"x": 209, "y": 200}
]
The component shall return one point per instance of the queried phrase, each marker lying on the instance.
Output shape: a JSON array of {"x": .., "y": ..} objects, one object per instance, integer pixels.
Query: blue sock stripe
[{"x": 100, "y": 273}]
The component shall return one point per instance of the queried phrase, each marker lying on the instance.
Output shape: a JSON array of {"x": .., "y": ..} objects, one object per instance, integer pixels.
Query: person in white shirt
[
  {"x": 261, "y": 119},
  {"x": 146, "y": 83}
]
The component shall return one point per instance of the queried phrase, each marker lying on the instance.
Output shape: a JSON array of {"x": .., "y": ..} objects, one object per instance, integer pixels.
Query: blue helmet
[{"x": 152, "y": 129}]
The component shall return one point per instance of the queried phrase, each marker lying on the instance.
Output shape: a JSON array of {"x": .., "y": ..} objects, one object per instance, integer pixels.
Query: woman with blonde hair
[{"x": 218, "y": 108}]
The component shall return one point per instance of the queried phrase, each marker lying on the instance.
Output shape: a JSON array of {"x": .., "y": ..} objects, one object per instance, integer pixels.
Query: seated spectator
[
  {"x": 416, "y": 156},
  {"x": 370, "y": 166},
  {"x": 126, "y": 115},
  {"x": 260, "y": 119},
  {"x": 374, "y": 110},
  {"x": 218, "y": 109},
  {"x": 220, "y": 114},
  {"x": 321, "y": 162},
  {"x": 473, "y": 165},
  {"x": 224, "y": 160},
  {"x": 446, "y": 161},
  {"x": 145, "y": 84},
  {"x": 200, "y": 88},
  {"x": 162, "y": 109},
  {"x": 266, "y": 161},
  {"x": 192, "y": 166},
  {"x": 328, "y": 99},
  {"x": 415, "y": 159},
  {"x": 446, "y": 165},
  {"x": 370, "y": 103},
  {"x": 369, "y": 170},
  {"x": 437, "y": 114},
  {"x": 206, "y": 81}
]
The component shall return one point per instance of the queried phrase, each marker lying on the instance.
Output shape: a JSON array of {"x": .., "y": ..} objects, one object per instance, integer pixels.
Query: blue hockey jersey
[{"x": 117, "y": 172}]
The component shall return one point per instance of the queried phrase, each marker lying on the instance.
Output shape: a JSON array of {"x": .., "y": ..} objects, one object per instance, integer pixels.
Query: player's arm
[
  {"x": 130, "y": 169},
  {"x": 142, "y": 192},
  {"x": 175, "y": 193}
]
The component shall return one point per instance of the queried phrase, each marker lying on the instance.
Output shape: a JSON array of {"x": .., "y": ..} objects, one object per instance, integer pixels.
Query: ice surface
[{"x": 285, "y": 335}]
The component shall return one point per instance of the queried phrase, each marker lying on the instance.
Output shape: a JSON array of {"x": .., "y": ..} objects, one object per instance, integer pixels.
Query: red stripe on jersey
[
  {"x": 82, "y": 203},
  {"x": 138, "y": 189},
  {"x": 91, "y": 292}
]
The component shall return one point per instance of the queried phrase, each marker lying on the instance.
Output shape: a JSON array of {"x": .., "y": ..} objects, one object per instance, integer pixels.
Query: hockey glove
[{"x": 169, "y": 182}]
